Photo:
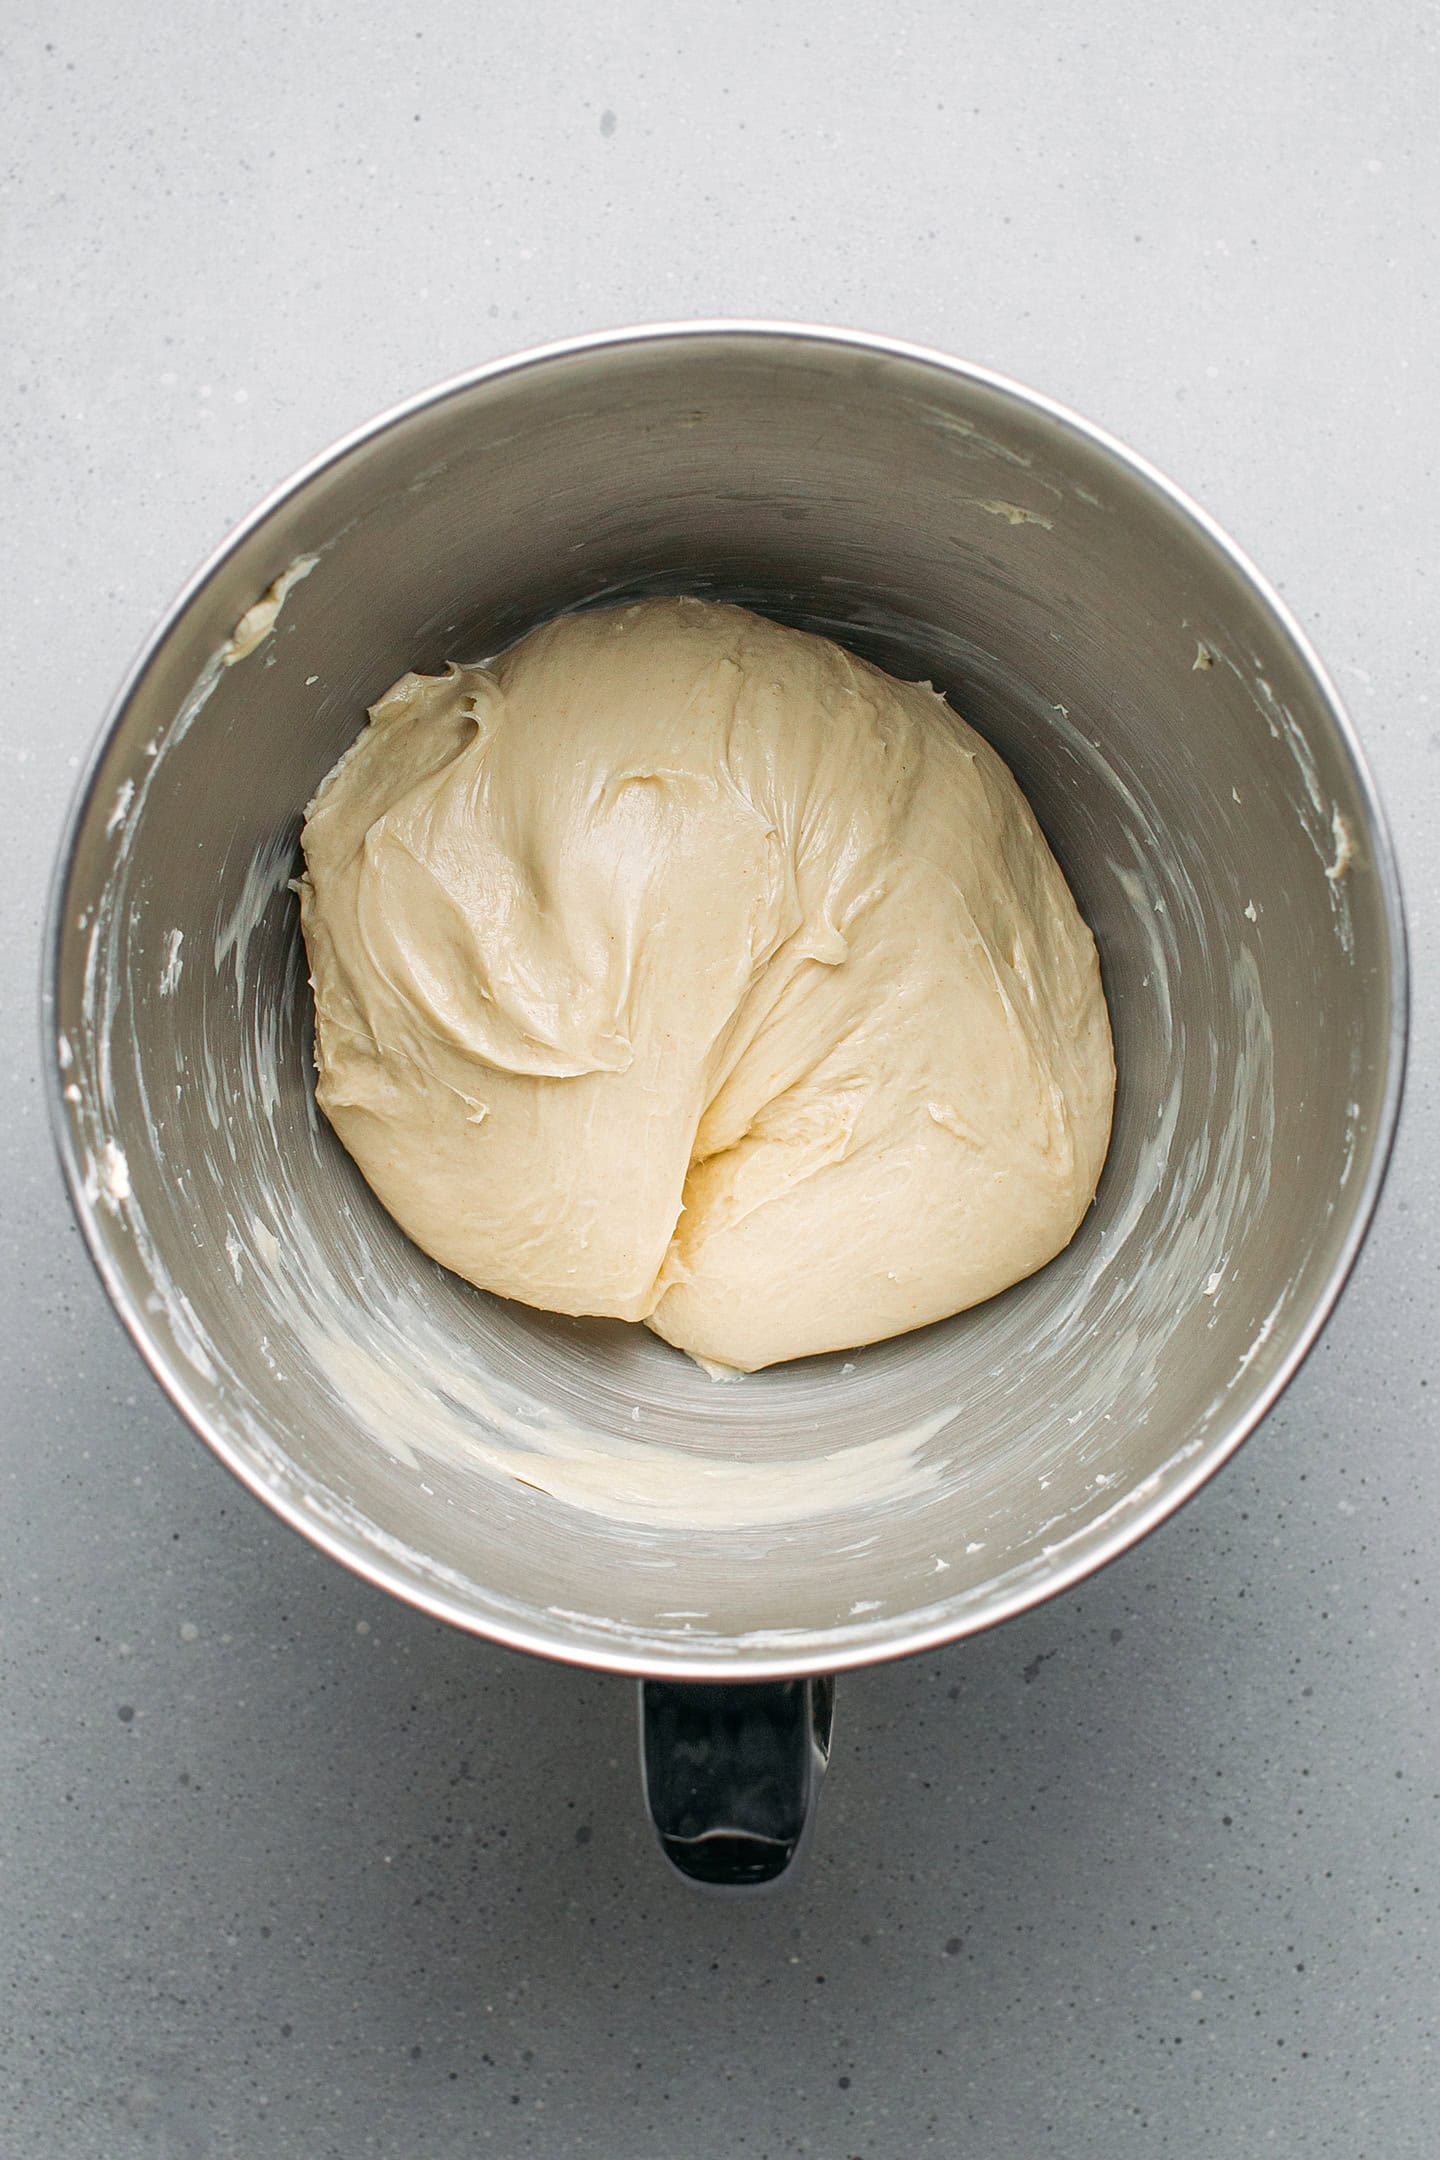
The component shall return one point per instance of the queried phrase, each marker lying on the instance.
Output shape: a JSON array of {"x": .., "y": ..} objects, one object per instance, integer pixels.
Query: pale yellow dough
[{"x": 682, "y": 967}]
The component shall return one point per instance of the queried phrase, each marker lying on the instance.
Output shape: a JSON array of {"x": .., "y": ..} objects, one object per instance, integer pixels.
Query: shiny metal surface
[{"x": 1191, "y": 766}]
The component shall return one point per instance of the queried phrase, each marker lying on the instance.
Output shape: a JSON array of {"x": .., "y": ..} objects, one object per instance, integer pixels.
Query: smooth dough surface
[{"x": 682, "y": 967}]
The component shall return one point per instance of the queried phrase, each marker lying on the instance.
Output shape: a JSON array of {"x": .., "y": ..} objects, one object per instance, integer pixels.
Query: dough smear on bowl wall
[{"x": 681, "y": 967}]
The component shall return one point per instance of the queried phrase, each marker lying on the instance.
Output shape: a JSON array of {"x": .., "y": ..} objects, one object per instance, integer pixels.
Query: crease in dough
[{"x": 682, "y": 967}]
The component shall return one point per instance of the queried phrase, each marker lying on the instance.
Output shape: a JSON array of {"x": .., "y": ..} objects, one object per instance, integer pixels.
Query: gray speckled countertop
[{"x": 290, "y": 1871}]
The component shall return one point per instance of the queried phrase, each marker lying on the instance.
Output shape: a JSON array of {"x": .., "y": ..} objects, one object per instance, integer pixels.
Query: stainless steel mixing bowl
[{"x": 1201, "y": 786}]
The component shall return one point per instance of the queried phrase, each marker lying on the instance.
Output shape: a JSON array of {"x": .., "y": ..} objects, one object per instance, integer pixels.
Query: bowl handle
[{"x": 732, "y": 1774}]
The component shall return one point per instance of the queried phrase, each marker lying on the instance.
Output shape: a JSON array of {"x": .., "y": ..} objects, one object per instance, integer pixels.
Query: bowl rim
[{"x": 867, "y": 1643}]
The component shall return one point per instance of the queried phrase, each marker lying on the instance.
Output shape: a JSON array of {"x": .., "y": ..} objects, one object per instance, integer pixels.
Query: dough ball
[{"x": 682, "y": 967}]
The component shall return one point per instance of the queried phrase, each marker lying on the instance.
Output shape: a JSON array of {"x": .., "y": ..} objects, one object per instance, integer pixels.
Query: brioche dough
[{"x": 682, "y": 967}]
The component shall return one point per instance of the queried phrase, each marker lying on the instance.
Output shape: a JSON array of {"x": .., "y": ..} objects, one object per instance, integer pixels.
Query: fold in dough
[{"x": 682, "y": 967}]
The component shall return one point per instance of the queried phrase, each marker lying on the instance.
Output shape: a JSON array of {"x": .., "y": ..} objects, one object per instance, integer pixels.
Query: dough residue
[{"x": 684, "y": 968}]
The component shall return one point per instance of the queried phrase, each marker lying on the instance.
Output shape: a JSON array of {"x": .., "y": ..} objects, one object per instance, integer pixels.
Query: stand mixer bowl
[{"x": 575, "y": 1487}]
